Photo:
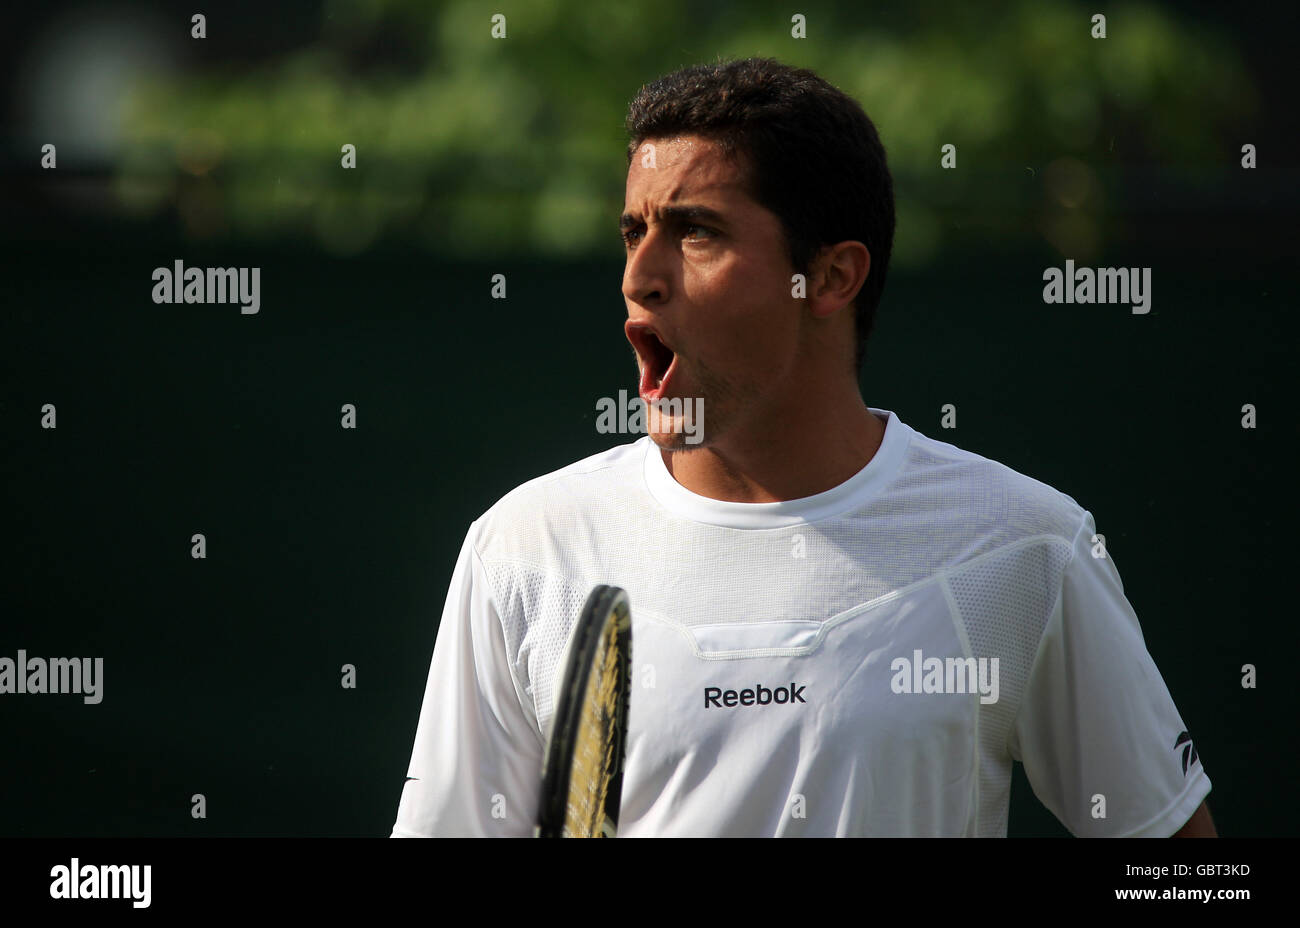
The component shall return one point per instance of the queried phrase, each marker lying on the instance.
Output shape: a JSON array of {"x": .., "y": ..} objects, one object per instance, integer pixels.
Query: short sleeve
[
  {"x": 1097, "y": 720},
  {"x": 475, "y": 769}
]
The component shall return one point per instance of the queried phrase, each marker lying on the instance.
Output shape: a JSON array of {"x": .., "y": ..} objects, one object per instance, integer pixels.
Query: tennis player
[{"x": 841, "y": 626}]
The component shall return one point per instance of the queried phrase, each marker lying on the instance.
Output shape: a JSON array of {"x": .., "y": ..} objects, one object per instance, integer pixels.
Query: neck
[{"x": 815, "y": 449}]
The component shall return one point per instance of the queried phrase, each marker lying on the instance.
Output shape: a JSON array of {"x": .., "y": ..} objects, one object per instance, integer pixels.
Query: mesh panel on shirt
[
  {"x": 535, "y": 647},
  {"x": 1005, "y": 601}
]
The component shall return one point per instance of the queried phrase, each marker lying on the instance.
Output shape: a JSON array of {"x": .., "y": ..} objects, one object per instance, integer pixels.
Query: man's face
[{"x": 707, "y": 285}]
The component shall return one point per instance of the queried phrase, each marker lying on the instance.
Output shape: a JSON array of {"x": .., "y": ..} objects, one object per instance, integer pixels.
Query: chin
[
  {"x": 681, "y": 429},
  {"x": 677, "y": 441}
]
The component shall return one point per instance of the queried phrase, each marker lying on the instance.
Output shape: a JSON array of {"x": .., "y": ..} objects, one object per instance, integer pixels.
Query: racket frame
[{"x": 603, "y": 601}]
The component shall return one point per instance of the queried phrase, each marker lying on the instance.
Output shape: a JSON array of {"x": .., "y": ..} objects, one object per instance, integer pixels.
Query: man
[{"x": 840, "y": 626}]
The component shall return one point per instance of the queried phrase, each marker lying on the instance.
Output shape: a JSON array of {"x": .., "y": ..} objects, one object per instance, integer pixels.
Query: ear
[{"x": 837, "y": 274}]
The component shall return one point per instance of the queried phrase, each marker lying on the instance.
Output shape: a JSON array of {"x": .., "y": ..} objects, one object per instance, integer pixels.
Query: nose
[{"x": 647, "y": 273}]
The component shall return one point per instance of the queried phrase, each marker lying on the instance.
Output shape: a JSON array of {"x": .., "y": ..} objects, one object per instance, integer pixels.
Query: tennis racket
[{"x": 582, "y": 773}]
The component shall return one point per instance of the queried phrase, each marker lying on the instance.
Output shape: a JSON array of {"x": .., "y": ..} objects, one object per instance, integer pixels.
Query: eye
[{"x": 632, "y": 236}]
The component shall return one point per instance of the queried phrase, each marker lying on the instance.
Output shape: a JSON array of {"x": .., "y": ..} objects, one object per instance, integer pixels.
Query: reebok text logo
[{"x": 760, "y": 695}]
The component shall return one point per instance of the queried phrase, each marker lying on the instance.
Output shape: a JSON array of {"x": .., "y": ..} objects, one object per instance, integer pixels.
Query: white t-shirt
[{"x": 867, "y": 661}]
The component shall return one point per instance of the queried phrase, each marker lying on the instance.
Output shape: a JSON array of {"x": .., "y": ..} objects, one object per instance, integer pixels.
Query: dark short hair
[{"x": 814, "y": 158}]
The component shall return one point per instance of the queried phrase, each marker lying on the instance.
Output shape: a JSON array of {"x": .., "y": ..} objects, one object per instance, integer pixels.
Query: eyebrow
[{"x": 676, "y": 214}]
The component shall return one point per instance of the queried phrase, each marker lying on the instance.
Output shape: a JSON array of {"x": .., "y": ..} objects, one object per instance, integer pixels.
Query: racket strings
[{"x": 596, "y": 744}]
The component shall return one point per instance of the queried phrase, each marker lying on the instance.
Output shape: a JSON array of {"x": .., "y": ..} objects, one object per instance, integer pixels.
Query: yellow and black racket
[{"x": 582, "y": 773}]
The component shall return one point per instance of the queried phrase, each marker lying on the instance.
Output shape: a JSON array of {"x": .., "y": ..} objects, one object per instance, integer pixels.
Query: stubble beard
[{"x": 719, "y": 399}]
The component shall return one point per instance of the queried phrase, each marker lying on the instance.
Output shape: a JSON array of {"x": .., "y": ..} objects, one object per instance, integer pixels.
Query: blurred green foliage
[{"x": 472, "y": 144}]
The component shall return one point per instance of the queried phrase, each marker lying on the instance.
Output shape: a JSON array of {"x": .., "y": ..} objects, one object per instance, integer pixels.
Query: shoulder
[
  {"x": 542, "y": 546},
  {"x": 560, "y": 506},
  {"x": 990, "y": 498}
]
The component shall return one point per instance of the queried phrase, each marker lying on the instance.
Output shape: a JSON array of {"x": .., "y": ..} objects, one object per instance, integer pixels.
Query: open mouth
[{"x": 657, "y": 360}]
